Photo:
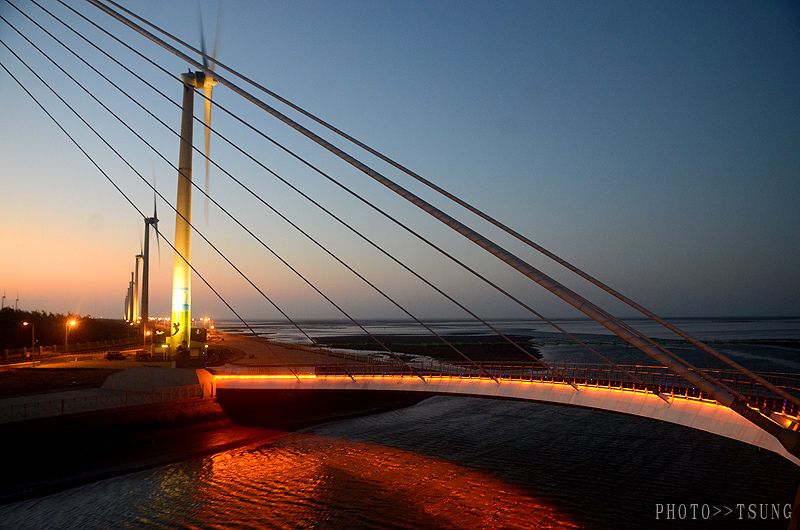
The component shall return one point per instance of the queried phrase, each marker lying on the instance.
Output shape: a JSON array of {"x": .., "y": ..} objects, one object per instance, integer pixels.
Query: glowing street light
[
  {"x": 69, "y": 324},
  {"x": 33, "y": 335}
]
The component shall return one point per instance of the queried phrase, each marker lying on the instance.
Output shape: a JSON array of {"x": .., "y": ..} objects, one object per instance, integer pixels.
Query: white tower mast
[{"x": 182, "y": 272}]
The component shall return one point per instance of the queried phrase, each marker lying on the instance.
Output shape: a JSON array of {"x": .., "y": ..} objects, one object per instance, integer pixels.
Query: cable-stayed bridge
[{"x": 134, "y": 95}]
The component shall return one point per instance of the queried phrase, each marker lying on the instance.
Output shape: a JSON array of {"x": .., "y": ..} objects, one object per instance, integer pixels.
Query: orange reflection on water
[{"x": 303, "y": 481}]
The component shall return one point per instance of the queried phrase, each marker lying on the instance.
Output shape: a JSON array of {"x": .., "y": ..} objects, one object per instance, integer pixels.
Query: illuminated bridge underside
[{"x": 696, "y": 413}]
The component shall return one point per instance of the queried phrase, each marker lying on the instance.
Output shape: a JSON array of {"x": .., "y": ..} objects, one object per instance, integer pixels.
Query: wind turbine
[
  {"x": 136, "y": 289},
  {"x": 182, "y": 272},
  {"x": 145, "y": 307},
  {"x": 129, "y": 302}
]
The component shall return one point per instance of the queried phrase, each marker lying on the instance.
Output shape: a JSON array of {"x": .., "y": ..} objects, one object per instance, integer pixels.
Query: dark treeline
[{"x": 49, "y": 328}]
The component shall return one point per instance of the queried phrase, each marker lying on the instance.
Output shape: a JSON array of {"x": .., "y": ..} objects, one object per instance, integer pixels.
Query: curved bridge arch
[{"x": 695, "y": 412}]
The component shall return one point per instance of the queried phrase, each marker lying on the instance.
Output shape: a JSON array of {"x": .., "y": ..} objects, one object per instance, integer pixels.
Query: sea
[{"x": 461, "y": 463}]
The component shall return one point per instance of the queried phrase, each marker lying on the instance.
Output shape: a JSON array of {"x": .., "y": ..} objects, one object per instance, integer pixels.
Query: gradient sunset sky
[{"x": 654, "y": 145}]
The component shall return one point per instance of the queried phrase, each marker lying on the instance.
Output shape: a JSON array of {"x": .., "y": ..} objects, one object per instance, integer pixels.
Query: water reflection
[
  {"x": 304, "y": 481},
  {"x": 297, "y": 481}
]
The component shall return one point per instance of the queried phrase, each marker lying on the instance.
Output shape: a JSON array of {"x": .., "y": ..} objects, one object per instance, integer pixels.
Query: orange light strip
[
  {"x": 270, "y": 376},
  {"x": 702, "y": 401}
]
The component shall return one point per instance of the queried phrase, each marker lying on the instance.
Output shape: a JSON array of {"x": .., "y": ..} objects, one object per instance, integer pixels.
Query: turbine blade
[
  {"x": 158, "y": 241},
  {"x": 216, "y": 37},
  {"x": 202, "y": 38},
  {"x": 155, "y": 215},
  {"x": 155, "y": 211},
  {"x": 207, "y": 91}
]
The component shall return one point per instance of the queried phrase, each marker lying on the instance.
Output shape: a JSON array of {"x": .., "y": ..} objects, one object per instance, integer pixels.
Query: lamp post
[
  {"x": 69, "y": 324},
  {"x": 33, "y": 336},
  {"x": 146, "y": 336}
]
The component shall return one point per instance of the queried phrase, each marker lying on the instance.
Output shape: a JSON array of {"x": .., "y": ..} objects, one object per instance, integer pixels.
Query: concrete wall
[{"x": 142, "y": 378}]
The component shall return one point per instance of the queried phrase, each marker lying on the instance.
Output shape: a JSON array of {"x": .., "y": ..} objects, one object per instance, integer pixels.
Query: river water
[{"x": 452, "y": 462}]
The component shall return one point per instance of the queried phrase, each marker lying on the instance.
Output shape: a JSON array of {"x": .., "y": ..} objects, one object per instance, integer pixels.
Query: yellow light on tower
[{"x": 182, "y": 272}]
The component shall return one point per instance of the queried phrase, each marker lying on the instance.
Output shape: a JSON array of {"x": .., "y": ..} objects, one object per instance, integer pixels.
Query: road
[{"x": 251, "y": 351}]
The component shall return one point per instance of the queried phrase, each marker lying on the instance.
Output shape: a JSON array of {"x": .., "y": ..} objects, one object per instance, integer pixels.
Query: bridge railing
[
  {"x": 633, "y": 378},
  {"x": 656, "y": 379}
]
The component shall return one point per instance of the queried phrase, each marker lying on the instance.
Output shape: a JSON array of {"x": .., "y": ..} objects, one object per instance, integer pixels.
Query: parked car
[{"x": 115, "y": 356}]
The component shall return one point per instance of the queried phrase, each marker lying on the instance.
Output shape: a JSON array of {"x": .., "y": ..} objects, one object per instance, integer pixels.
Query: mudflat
[{"x": 477, "y": 347}]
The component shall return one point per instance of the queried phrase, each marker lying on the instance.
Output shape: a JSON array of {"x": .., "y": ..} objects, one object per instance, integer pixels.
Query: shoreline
[{"x": 481, "y": 348}]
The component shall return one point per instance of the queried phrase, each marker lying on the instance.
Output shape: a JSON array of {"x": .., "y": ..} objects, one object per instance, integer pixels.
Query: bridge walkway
[{"x": 659, "y": 394}]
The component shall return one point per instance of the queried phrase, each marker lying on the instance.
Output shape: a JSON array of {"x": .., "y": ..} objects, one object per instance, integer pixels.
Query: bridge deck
[{"x": 590, "y": 386}]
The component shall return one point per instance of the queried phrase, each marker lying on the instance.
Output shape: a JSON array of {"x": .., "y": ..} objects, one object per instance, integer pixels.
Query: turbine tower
[
  {"x": 145, "y": 307},
  {"x": 136, "y": 289},
  {"x": 182, "y": 272},
  {"x": 129, "y": 302}
]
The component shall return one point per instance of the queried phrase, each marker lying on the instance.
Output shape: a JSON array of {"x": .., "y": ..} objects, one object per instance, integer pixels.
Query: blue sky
[{"x": 656, "y": 146}]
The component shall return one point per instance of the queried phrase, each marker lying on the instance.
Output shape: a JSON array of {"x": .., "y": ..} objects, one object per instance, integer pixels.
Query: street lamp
[
  {"x": 146, "y": 336},
  {"x": 69, "y": 324},
  {"x": 33, "y": 336}
]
